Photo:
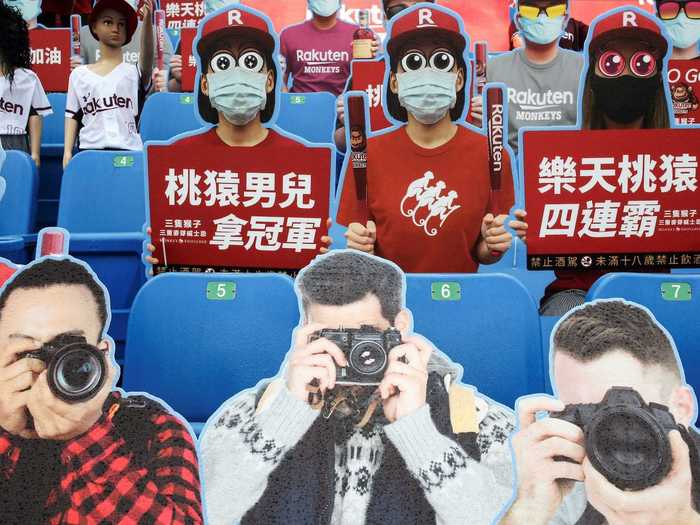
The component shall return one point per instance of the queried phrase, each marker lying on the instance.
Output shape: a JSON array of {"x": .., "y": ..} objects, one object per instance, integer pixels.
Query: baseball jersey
[
  {"x": 25, "y": 97},
  {"x": 428, "y": 204},
  {"x": 107, "y": 106}
]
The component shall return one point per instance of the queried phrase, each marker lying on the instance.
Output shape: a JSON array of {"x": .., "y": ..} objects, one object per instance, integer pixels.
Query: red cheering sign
[
  {"x": 181, "y": 14},
  {"x": 229, "y": 208},
  {"x": 50, "y": 55},
  {"x": 612, "y": 200},
  {"x": 684, "y": 83},
  {"x": 368, "y": 76},
  {"x": 189, "y": 63}
]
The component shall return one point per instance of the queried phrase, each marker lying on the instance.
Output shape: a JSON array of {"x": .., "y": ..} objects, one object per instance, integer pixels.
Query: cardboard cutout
[
  {"x": 51, "y": 51},
  {"x": 684, "y": 83},
  {"x": 416, "y": 196},
  {"x": 612, "y": 200},
  {"x": 215, "y": 207}
]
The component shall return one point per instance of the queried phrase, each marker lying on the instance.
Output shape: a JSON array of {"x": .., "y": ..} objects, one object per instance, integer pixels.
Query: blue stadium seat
[
  {"x": 51, "y": 169},
  {"x": 308, "y": 115},
  {"x": 17, "y": 206},
  {"x": 679, "y": 317},
  {"x": 168, "y": 114},
  {"x": 103, "y": 207},
  {"x": 534, "y": 281},
  {"x": 492, "y": 329},
  {"x": 196, "y": 352}
]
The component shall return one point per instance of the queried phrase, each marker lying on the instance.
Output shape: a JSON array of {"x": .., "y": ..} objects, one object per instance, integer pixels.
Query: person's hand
[
  {"x": 327, "y": 240},
  {"x": 543, "y": 482},
  {"x": 476, "y": 109},
  {"x": 404, "y": 385},
  {"x": 58, "y": 420},
  {"x": 75, "y": 61},
  {"x": 67, "y": 156},
  {"x": 340, "y": 108},
  {"x": 519, "y": 225},
  {"x": 146, "y": 11},
  {"x": 160, "y": 84},
  {"x": 376, "y": 44},
  {"x": 16, "y": 378},
  {"x": 361, "y": 237},
  {"x": 37, "y": 159},
  {"x": 312, "y": 361},
  {"x": 494, "y": 233},
  {"x": 176, "y": 67},
  {"x": 668, "y": 503}
]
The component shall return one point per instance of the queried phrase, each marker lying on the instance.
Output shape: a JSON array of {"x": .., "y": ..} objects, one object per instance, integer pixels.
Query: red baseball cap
[
  {"x": 628, "y": 23},
  {"x": 120, "y": 6},
  {"x": 237, "y": 21},
  {"x": 421, "y": 20}
]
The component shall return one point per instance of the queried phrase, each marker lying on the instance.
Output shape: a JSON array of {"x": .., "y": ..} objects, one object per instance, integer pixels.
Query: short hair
[
  {"x": 345, "y": 277},
  {"x": 54, "y": 272},
  {"x": 595, "y": 329}
]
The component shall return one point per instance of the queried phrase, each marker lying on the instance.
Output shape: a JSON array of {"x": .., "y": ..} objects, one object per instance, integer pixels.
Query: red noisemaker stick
[
  {"x": 480, "y": 54},
  {"x": 160, "y": 42},
  {"x": 358, "y": 145},
  {"x": 75, "y": 34},
  {"x": 52, "y": 243},
  {"x": 495, "y": 131}
]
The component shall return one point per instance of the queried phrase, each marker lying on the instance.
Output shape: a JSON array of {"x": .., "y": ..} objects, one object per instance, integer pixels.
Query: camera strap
[{"x": 346, "y": 404}]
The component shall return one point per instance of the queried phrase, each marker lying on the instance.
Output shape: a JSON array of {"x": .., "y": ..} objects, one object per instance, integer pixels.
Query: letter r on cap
[
  {"x": 425, "y": 17},
  {"x": 234, "y": 16},
  {"x": 629, "y": 18}
]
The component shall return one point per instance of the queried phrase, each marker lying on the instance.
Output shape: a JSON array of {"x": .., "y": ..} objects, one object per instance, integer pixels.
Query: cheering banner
[
  {"x": 684, "y": 83},
  {"x": 612, "y": 200},
  {"x": 242, "y": 210},
  {"x": 50, "y": 56},
  {"x": 368, "y": 76},
  {"x": 189, "y": 63},
  {"x": 181, "y": 14}
]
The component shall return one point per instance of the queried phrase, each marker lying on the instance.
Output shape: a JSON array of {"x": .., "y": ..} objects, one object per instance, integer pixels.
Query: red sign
[
  {"x": 233, "y": 208},
  {"x": 50, "y": 55},
  {"x": 189, "y": 63},
  {"x": 180, "y": 14},
  {"x": 613, "y": 199},
  {"x": 368, "y": 76},
  {"x": 684, "y": 83}
]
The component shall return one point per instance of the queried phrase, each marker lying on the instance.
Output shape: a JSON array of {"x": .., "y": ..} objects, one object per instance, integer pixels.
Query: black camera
[
  {"x": 626, "y": 439},
  {"x": 76, "y": 370},
  {"x": 367, "y": 351}
]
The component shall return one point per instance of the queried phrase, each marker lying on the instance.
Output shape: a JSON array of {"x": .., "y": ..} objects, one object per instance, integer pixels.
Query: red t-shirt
[
  {"x": 428, "y": 204},
  {"x": 273, "y": 144}
]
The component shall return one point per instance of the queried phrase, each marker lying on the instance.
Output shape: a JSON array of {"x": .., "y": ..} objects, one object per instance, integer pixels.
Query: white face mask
[
  {"x": 427, "y": 94},
  {"x": 238, "y": 93},
  {"x": 30, "y": 9},
  {"x": 324, "y": 7},
  {"x": 684, "y": 31}
]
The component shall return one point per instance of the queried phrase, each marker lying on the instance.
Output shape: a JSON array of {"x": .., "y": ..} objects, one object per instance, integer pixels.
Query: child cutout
[
  {"x": 105, "y": 98},
  {"x": 23, "y": 103},
  {"x": 428, "y": 178}
]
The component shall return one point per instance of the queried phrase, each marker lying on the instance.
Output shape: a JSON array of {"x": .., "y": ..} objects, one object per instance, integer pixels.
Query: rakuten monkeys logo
[
  {"x": 496, "y": 137},
  {"x": 92, "y": 106}
]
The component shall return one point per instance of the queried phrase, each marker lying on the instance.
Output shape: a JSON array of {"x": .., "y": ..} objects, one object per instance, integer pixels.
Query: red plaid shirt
[{"x": 100, "y": 482}]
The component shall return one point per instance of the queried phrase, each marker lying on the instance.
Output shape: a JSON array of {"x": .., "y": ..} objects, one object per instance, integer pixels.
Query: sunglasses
[
  {"x": 612, "y": 64},
  {"x": 670, "y": 10},
  {"x": 532, "y": 11}
]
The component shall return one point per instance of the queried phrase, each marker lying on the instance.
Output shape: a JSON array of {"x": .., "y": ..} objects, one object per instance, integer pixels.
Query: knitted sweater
[{"x": 240, "y": 448}]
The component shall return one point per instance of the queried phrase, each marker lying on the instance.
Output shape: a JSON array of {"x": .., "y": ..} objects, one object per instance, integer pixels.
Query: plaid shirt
[{"x": 100, "y": 482}]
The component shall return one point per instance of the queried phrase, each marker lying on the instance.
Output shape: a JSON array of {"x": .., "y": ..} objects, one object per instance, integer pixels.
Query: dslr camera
[
  {"x": 626, "y": 439},
  {"x": 366, "y": 349},
  {"x": 76, "y": 370}
]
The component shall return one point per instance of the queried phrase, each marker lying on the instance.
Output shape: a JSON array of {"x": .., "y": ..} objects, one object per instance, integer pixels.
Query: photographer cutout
[
  {"x": 72, "y": 448},
  {"x": 427, "y": 183},
  {"x": 618, "y": 446},
  {"x": 366, "y": 422}
]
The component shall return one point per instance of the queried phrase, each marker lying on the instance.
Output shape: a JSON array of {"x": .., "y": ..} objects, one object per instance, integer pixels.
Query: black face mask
[{"x": 624, "y": 99}]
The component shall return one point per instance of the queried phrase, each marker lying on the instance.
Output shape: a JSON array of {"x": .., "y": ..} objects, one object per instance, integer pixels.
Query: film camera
[
  {"x": 366, "y": 349},
  {"x": 76, "y": 370},
  {"x": 626, "y": 439}
]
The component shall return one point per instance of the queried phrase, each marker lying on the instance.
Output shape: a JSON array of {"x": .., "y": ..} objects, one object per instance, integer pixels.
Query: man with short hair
[
  {"x": 400, "y": 448},
  {"x": 542, "y": 78},
  {"x": 72, "y": 449},
  {"x": 596, "y": 348}
]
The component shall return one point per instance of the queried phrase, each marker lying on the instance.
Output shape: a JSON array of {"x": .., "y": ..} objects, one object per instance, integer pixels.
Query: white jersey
[
  {"x": 108, "y": 107},
  {"x": 25, "y": 97}
]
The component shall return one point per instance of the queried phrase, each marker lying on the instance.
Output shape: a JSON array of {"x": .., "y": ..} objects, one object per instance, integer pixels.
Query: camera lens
[
  {"x": 77, "y": 372},
  {"x": 629, "y": 448},
  {"x": 367, "y": 357}
]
